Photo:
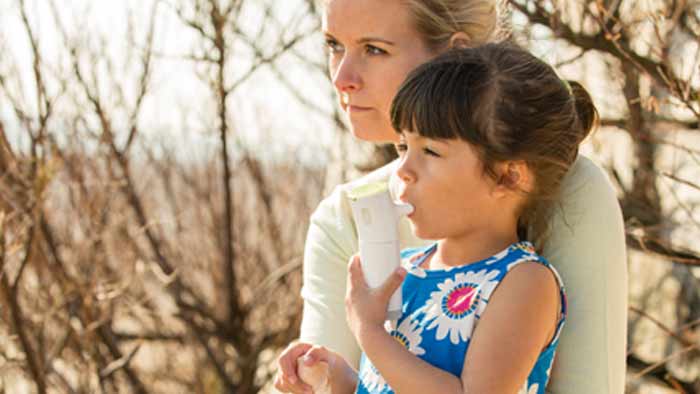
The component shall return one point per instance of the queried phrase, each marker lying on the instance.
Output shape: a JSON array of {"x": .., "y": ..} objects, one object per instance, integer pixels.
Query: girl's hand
[
  {"x": 366, "y": 308},
  {"x": 287, "y": 379}
]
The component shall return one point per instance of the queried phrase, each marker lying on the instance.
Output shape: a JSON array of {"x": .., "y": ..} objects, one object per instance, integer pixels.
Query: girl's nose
[{"x": 404, "y": 171}]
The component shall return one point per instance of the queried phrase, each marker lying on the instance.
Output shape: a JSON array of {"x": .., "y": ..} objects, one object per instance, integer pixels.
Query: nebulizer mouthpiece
[{"x": 377, "y": 217}]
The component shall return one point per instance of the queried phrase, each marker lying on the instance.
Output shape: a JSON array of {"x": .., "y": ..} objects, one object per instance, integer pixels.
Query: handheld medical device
[{"x": 377, "y": 217}]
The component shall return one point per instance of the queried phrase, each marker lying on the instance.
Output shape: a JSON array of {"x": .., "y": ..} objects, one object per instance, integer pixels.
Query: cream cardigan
[{"x": 587, "y": 246}]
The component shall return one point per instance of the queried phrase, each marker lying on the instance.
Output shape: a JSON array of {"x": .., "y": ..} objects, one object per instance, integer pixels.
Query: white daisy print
[
  {"x": 534, "y": 389},
  {"x": 410, "y": 265},
  {"x": 497, "y": 257},
  {"x": 417, "y": 271},
  {"x": 524, "y": 259},
  {"x": 372, "y": 380},
  {"x": 409, "y": 335},
  {"x": 452, "y": 307},
  {"x": 523, "y": 246}
]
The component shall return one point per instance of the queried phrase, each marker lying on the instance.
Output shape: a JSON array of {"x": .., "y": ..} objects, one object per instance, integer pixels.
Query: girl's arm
[{"x": 519, "y": 321}]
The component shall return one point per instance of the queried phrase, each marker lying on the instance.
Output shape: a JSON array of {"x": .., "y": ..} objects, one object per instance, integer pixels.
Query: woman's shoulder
[
  {"x": 336, "y": 202},
  {"x": 333, "y": 216},
  {"x": 586, "y": 184},
  {"x": 588, "y": 213}
]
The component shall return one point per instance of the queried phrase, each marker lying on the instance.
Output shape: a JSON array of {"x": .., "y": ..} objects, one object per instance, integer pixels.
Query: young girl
[{"x": 486, "y": 136}]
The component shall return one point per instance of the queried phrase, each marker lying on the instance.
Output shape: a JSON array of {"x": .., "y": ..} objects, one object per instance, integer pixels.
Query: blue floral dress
[{"x": 442, "y": 307}]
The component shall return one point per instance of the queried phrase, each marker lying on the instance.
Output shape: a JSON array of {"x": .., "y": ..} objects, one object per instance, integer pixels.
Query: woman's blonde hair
[{"x": 482, "y": 21}]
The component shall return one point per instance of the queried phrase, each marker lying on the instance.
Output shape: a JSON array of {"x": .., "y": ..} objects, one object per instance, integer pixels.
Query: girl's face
[
  {"x": 372, "y": 46},
  {"x": 452, "y": 195}
]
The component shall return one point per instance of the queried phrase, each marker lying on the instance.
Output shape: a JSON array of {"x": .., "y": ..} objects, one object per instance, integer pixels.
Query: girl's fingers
[
  {"x": 356, "y": 279},
  {"x": 392, "y": 283}
]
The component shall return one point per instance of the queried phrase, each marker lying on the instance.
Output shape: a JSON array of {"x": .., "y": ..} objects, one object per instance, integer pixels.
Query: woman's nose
[{"x": 346, "y": 77}]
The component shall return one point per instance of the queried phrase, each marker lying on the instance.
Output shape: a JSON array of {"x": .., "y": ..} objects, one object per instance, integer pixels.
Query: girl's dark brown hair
[{"x": 508, "y": 104}]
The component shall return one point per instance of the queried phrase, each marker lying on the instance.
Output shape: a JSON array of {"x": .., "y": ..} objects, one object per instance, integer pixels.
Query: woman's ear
[{"x": 459, "y": 40}]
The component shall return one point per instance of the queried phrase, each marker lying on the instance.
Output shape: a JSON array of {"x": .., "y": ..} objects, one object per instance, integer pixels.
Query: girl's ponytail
[{"x": 586, "y": 112}]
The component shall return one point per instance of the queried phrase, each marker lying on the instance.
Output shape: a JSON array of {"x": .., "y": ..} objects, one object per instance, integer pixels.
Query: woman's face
[{"x": 372, "y": 47}]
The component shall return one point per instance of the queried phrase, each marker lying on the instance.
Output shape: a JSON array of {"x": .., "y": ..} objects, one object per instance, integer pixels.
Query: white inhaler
[{"x": 377, "y": 219}]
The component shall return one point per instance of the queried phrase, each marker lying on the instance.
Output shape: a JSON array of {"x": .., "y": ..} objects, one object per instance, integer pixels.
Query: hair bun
[{"x": 585, "y": 110}]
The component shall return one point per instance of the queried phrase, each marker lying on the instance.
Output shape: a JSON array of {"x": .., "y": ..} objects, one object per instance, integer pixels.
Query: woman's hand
[
  {"x": 366, "y": 308},
  {"x": 287, "y": 380},
  {"x": 305, "y": 368}
]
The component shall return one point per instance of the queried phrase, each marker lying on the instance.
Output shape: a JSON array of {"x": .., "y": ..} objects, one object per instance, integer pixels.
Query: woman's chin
[{"x": 372, "y": 133}]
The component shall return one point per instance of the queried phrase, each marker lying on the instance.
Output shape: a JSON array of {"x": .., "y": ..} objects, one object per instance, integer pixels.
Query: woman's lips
[
  {"x": 354, "y": 109},
  {"x": 357, "y": 108}
]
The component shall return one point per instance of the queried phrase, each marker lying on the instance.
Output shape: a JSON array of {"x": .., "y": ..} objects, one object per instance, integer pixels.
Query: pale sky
[{"x": 179, "y": 107}]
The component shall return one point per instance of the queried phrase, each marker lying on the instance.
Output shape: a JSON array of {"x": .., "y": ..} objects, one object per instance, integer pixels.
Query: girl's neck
[{"x": 453, "y": 252}]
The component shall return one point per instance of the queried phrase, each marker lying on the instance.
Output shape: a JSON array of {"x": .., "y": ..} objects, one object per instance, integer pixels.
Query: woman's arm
[
  {"x": 330, "y": 241},
  {"x": 587, "y": 247},
  {"x": 509, "y": 338}
]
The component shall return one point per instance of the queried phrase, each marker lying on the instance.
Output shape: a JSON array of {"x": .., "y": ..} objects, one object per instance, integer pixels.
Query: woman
[{"x": 372, "y": 46}]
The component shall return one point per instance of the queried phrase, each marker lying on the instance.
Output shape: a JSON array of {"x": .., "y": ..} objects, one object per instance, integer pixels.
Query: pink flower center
[{"x": 461, "y": 299}]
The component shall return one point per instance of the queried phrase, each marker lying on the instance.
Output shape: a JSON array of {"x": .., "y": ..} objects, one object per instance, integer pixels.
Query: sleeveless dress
[{"x": 442, "y": 307}]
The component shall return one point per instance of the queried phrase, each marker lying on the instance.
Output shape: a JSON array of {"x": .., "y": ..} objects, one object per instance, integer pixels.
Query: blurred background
[{"x": 159, "y": 160}]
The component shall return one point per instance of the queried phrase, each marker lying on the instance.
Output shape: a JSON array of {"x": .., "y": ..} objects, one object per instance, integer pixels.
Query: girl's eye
[
  {"x": 430, "y": 152},
  {"x": 333, "y": 46},
  {"x": 372, "y": 50}
]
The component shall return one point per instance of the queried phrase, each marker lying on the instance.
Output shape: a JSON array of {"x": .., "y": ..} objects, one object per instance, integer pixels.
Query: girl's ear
[
  {"x": 459, "y": 40},
  {"x": 514, "y": 176}
]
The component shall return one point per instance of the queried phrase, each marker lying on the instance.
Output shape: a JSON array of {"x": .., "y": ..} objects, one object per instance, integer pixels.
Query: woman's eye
[
  {"x": 400, "y": 147},
  {"x": 333, "y": 46},
  {"x": 430, "y": 152},
  {"x": 372, "y": 50}
]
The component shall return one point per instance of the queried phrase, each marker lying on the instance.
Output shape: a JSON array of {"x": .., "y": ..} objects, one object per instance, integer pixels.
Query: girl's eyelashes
[
  {"x": 402, "y": 147},
  {"x": 430, "y": 152}
]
